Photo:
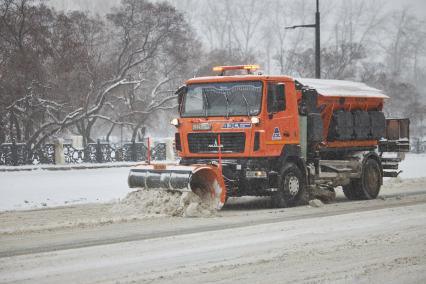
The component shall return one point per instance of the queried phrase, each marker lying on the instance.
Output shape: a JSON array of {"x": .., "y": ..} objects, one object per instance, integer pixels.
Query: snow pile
[
  {"x": 316, "y": 203},
  {"x": 407, "y": 183},
  {"x": 154, "y": 202}
]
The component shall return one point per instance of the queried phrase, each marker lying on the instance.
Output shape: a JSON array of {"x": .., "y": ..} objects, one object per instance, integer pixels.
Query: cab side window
[{"x": 276, "y": 97}]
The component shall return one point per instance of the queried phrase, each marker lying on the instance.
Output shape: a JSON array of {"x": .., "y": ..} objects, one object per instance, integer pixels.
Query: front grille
[{"x": 233, "y": 142}]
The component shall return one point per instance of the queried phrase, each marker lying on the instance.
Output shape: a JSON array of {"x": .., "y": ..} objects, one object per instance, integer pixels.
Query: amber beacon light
[{"x": 249, "y": 68}]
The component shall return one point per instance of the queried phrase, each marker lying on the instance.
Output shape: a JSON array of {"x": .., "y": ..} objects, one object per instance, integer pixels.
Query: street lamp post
[{"x": 317, "y": 40}]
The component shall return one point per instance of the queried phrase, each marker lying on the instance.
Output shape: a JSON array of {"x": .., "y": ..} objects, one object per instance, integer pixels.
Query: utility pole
[{"x": 317, "y": 40}]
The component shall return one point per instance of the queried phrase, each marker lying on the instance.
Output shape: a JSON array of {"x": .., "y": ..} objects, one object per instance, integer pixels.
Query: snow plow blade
[{"x": 204, "y": 180}]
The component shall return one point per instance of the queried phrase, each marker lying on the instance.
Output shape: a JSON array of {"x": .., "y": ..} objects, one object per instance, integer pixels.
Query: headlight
[
  {"x": 255, "y": 120},
  {"x": 175, "y": 122},
  {"x": 256, "y": 174}
]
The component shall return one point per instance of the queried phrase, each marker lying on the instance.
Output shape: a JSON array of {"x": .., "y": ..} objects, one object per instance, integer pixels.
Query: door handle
[{"x": 286, "y": 134}]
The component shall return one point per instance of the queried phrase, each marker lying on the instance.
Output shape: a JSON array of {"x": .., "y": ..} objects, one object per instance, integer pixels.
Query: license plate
[{"x": 159, "y": 167}]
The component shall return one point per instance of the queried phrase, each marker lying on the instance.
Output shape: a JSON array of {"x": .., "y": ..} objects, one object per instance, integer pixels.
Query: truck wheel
[
  {"x": 368, "y": 186},
  {"x": 292, "y": 188},
  {"x": 351, "y": 191}
]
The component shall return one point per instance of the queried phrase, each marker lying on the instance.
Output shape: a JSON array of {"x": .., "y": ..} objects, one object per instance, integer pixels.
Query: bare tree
[
  {"x": 233, "y": 26},
  {"x": 404, "y": 45},
  {"x": 24, "y": 33},
  {"x": 357, "y": 25},
  {"x": 286, "y": 43},
  {"x": 78, "y": 71},
  {"x": 150, "y": 35}
]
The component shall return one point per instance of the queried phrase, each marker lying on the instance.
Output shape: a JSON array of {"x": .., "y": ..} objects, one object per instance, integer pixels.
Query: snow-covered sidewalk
[
  {"x": 38, "y": 189},
  {"x": 77, "y": 166}
]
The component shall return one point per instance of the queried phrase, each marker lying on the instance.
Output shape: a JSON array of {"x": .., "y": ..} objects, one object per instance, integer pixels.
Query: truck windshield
[{"x": 223, "y": 99}]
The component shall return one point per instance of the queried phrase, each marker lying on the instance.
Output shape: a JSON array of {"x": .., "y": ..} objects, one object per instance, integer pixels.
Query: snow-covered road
[
  {"x": 382, "y": 243},
  {"x": 373, "y": 241},
  {"x": 43, "y": 188}
]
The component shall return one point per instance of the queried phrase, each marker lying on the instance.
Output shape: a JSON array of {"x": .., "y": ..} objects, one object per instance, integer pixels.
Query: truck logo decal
[
  {"x": 233, "y": 125},
  {"x": 276, "y": 135},
  {"x": 215, "y": 145}
]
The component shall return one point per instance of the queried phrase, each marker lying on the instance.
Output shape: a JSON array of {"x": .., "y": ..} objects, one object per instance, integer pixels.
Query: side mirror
[{"x": 180, "y": 92}]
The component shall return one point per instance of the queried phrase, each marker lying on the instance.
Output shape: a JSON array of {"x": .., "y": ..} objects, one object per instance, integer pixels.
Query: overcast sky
[
  {"x": 417, "y": 6},
  {"x": 329, "y": 10}
]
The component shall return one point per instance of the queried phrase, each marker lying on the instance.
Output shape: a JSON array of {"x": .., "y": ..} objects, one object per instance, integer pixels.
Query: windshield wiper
[
  {"x": 247, "y": 106},
  {"x": 205, "y": 104},
  {"x": 227, "y": 104}
]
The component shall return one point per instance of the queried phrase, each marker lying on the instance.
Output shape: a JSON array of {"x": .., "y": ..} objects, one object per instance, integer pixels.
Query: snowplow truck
[{"x": 265, "y": 135}]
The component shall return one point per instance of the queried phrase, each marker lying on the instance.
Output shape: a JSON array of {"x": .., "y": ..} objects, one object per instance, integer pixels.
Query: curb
[{"x": 65, "y": 168}]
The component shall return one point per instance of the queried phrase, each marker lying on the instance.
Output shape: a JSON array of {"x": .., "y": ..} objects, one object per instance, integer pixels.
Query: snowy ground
[
  {"x": 43, "y": 188},
  {"x": 373, "y": 241},
  {"x": 36, "y": 189},
  {"x": 413, "y": 166},
  {"x": 41, "y": 167}
]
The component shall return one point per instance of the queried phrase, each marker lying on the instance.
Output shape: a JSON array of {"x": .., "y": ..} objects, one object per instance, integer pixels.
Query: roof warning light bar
[{"x": 221, "y": 69}]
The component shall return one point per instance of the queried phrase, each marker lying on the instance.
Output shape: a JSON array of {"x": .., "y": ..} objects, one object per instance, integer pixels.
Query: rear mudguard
[{"x": 204, "y": 180}]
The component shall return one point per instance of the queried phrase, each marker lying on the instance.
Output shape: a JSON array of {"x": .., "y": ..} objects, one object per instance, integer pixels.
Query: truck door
[{"x": 281, "y": 128}]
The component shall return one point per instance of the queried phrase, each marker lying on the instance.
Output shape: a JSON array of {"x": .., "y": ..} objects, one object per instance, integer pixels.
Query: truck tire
[
  {"x": 292, "y": 188},
  {"x": 368, "y": 186},
  {"x": 351, "y": 190}
]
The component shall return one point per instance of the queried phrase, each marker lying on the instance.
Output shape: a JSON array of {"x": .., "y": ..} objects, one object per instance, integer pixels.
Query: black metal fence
[{"x": 14, "y": 154}]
